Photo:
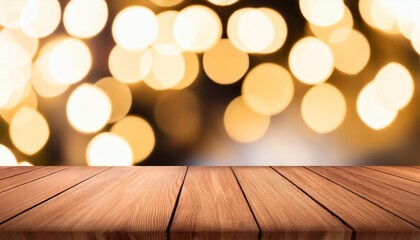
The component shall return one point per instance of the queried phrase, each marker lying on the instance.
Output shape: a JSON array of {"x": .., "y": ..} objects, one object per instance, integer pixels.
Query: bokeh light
[
  {"x": 25, "y": 99},
  {"x": 5, "y": 91},
  {"x": 88, "y": 108},
  {"x": 322, "y": 12},
  {"x": 13, "y": 35},
  {"x": 197, "y": 28},
  {"x": 15, "y": 65},
  {"x": 223, "y": 2},
  {"x": 165, "y": 41},
  {"x": 324, "y": 32},
  {"x": 129, "y": 66},
  {"x": 17, "y": 96},
  {"x": 29, "y": 131},
  {"x": 268, "y": 89},
  {"x": 192, "y": 69},
  {"x": 10, "y": 12},
  {"x": 108, "y": 149},
  {"x": 280, "y": 28},
  {"x": 39, "y": 18},
  {"x": 372, "y": 109},
  {"x": 167, "y": 70},
  {"x": 242, "y": 124},
  {"x": 69, "y": 61},
  {"x": 351, "y": 50},
  {"x": 138, "y": 133},
  {"x": 178, "y": 114},
  {"x": 120, "y": 96},
  {"x": 323, "y": 108},
  {"x": 394, "y": 85},
  {"x": 7, "y": 158},
  {"x": 224, "y": 63},
  {"x": 85, "y": 18},
  {"x": 311, "y": 61},
  {"x": 135, "y": 28},
  {"x": 167, "y": 3}
]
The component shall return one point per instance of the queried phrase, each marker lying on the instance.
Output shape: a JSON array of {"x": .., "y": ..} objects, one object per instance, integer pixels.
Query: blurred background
[{"x": 218, "y": 82}]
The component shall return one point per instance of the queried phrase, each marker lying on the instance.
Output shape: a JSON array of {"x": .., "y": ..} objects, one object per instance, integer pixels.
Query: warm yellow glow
[
  {"x": 322, "y": 12},
  {"x": 408, "y": 16},
  {"x": 311, "y": 61},
  {"x": 129, "y": 67},
  {"x": 384, "y": 15},
  {"x": 165, "y": 41},
  {"x": 108, "y": 149},
  {"x": 12, "y": 35},
  {"x": 415, "y": 38},
  {"x": 39, "y": 18},
  {"x": 192, "y": 68},
  {"x": 7, "y": 158},
  {"x": 324, "y": 33},
  {"x": 197, "y": 28},
  {"x": 373, "y": 110},
  {"x": 323, "y": 108},
  {"x": 138, "y": 133},
  {"x": 69, "y": 61},
  {"x": 29, "y": 131},
  {"x": 15, "y": 65},
  {"x": 25, "y": 100},
  {"x": 223, "y": 2},
  {"x": 17, "y": 96},
  {"x": 255, "y": 30},
  {"x": 280, "y": 28},
  {"x": 224, "y": 63},
  {"x": 85, "y": 18},
  {"x": 268, "y": 89},
  {"x": 178, "y": 115},
  {"x": 43, "y": 82},
  {"x": 232, "y": 28},
  {"x": 88, "y": 108},
  {"x": 5, "y": 91},
  {"x": 242, "y": 124},
  {"x": 135, "y": 28},
  {"x": 25, "y": 164},
  {"x": 167, "y": 70},
  {"x": 120, "y": 96},
  {"x": 352, "y": 54},
  {"x": 10, "y": 12},
  {"x": 167, "y": 3},
  {"x": 395, "y": 86}
]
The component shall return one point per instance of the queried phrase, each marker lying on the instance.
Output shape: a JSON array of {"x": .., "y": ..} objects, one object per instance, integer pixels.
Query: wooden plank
[
  {"x": 212, "y": 206},
  {"x": 401, "y": 183},
  {"x": 6, "y": 172},
  {"x": 21, "y": 179},
  {"x": 409, "y": 173},
  {"x": 404, "y": 204},
  {"x": 283, "y": 211},
  {"x": 21, "y": 198},
  {"x": 120, "y": 203},
  {"x": 367, "y": 219}
]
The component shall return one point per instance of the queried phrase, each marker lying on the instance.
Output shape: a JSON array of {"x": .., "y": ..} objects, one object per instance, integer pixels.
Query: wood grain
[
  {"x": 21, "y": 198},
  {"x": 26, "y": 177},
  {"x": 120, "y": 203},
  {"x": 401, "y": 183},
  {"x": 283, "y": 211},
  {"x": 6, "y": 172},
  {"x": 367, "y": 219},
  {"x": 409, "y": 173},
  {"x": 212, "y": 206},
  {"x": 404, "y": 204}
]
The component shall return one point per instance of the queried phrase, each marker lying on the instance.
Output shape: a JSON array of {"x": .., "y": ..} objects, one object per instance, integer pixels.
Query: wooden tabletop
[{"x": 210, "y": 203}]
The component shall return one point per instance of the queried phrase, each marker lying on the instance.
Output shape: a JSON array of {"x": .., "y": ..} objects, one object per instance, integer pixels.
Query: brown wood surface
[
  {"x": 283, "y": 211},
  {"x": 409, "y": 173},
  {"x": 123, "y": 202},
  {"x": 367, "y": 219},
  {"x": 401, "y": 203},
  {"x": 6, "y": 172},
  {"x": 26, "y": 177},
  {"x": 401, "y": 183},
  {"x": 21, "y": 198},
  {"x": 212, "y": 206},
  {"x": 209, "y": 203}
]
